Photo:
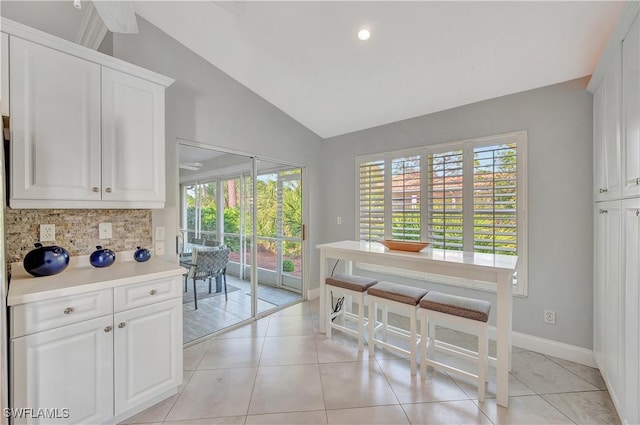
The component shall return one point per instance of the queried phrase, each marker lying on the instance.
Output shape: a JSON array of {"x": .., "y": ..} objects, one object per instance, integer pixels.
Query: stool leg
[
  {"x": 412, "y": 341},
  {"x": 361, "y": 323},
  {"x": 385, "y": 321},
  {"x": 423, "y": 343},
  {"x": 432, "y": 339},
  {"x": 483, "y": 354},
  {"x": 329, "y": 313},
  {"x": 372, "y": 326}
]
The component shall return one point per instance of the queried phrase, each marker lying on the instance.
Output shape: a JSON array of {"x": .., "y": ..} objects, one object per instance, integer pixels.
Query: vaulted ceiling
[{"x": 422, "y": 57}]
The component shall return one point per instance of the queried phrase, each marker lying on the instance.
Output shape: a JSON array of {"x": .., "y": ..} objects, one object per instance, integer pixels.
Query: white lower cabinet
[
  {"x": 631, "y": 222},
  {"x": 66, "y": 368},
  {"x": 147, "y": 343},
  {"x": 608, "y": 299},
  {"x": 99, "y": 370}
]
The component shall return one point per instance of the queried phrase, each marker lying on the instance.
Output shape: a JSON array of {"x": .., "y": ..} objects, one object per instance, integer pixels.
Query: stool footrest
[
  {"x": 450, "y": 368},
  {"x": 456, "y": 351}
]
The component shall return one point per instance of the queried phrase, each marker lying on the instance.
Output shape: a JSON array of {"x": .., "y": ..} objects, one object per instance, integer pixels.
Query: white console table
[{"x": 491, "y": 268}]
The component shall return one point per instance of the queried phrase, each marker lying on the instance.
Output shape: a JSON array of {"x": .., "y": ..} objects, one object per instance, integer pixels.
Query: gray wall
[
  {"x": 208, "y": 106},
  {"x": 559, "y": 123}
]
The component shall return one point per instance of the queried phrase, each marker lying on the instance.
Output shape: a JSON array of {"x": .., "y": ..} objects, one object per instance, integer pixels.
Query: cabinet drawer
[
  {"x": 49, "y": 314},
  {"x": 139, "y": 294}
]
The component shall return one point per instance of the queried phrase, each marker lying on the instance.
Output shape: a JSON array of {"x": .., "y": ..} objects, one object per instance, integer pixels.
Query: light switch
[
  {"x": 105, "y": 231},
  {"x": 160, "y": 233}
]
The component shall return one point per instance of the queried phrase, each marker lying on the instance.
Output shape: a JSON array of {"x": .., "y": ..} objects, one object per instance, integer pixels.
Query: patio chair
[
  {"x": 207, "y": 264},
  {"x": 211, "y": 242}
]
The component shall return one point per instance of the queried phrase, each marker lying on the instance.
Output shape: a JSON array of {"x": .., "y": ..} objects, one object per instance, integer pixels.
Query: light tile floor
[{"x": 282, "y": 370}]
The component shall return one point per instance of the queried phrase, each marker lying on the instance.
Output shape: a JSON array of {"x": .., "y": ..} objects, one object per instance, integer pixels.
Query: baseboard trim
[
  {"x": 550, "y": 347},
  {"x": 313, "y": 293}
]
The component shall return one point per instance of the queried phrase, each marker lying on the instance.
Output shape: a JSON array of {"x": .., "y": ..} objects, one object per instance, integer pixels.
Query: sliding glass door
[
  {"x": 223, "y": 205},
  {"x": 278, "y": 234}
]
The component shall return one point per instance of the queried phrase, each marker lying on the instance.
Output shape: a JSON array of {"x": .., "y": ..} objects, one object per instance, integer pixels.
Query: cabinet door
[
  {"x": 55, "y": 119},
  {"x": 609, "y": 325},
  {"x": 133, "y": 141},
  {"x": 631, "y": 108},
  {"x": 148, "y": 353},
  {"x": 606, "y": 126},
  {"x": 631, "y": 233},
  {"x": 69, "y": 367}
]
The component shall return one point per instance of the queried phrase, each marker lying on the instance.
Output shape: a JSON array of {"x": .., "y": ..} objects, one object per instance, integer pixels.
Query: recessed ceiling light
[{"x": 364, "y": 34}]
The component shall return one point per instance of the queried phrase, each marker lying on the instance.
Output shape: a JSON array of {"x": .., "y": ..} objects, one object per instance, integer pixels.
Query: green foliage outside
[
  {"x": 267, "y": 207},
  {"x": 288, "y": 266}
]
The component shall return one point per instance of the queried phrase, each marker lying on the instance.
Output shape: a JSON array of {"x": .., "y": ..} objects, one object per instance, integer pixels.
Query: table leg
[
  {"x": 503, "y": 339},
  {"x": 323, "y": 272}
]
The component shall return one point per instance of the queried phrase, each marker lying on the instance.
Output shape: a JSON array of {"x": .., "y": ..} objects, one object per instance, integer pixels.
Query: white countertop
[
  {"x": 462, "y": 258},
  {"x": 81, "y": 277}
]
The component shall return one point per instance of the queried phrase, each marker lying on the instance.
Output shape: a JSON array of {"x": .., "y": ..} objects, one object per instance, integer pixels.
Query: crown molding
[
  {"x": 23, "y": 31},
  {"x": 92, "y": 29}
]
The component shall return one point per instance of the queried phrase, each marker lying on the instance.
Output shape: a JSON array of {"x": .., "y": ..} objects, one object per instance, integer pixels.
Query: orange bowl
[{"x": 404, "y": 245}]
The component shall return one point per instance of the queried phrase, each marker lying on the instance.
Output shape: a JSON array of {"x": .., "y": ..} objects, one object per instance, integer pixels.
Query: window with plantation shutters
[
  {"x": 464, "y": 196},
  {"x": 371, "y": 200},
  {"x": 405, "y": 198},
  {"x": 445, "y": 189},
  {"x": 495, "y": 195}
]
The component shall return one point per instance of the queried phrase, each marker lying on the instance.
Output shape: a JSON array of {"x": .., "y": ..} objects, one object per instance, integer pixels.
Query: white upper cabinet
[
  {"x": 55, "y": 117},
  {"x": 87, "y": 130},
  {"x": 132, "y": 138},
  {"x": 606, "y": 127},
  {"x": 631, "y": 110}
]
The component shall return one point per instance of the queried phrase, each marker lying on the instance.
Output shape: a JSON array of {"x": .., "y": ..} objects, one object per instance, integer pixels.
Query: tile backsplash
[{"x": 76, "y": 230}]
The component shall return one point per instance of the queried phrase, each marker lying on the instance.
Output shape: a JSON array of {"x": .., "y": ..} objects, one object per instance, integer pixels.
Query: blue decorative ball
[
  {"x": 142, "y": 255},
  {"x": 102, "y": 257},
  {"x": 46, "y": 260}
]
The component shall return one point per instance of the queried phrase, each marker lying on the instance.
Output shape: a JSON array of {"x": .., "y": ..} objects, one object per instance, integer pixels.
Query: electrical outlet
[
  {"x": 159, "y": 248},
  {"x": 105, "y": 231},
  {"x": 47, "y": 232},
  {"x": 339, "y": 220},
  {"x": 550, "y": 317}
]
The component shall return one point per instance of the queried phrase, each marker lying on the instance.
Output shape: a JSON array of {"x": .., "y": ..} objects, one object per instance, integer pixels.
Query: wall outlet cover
[
  {"x": 47, "y": 232},
  {"x": 550, "y": 317}
]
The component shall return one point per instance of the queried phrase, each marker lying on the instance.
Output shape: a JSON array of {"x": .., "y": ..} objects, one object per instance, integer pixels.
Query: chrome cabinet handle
[
  {"x": 121, "y": 325},
  {"x": 604, "y": 190},
  {"x": 108, "y": 329},
  {"x": 153, "y": 292},
  {"x": 603, "y": 211},
  {"x": 108, "y": 190},
  {"x": 637, "y": 213},
  {"x": 95, "y": 189},
  {"x": 637, "y": 181},
  {"x": 68, "y": 310}
]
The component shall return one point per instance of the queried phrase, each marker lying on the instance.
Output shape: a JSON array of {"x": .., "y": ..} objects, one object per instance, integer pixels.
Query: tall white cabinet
[
  {"x": 616, "y": 126},
  {"x": 87, "y": 130}
]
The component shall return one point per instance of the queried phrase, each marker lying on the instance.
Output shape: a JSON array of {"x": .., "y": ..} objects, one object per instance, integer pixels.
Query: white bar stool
[
  {"x": 402, "y": 299},
  {"x": 461, "y": 313},
  {"x": 349, "y": 286}
]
